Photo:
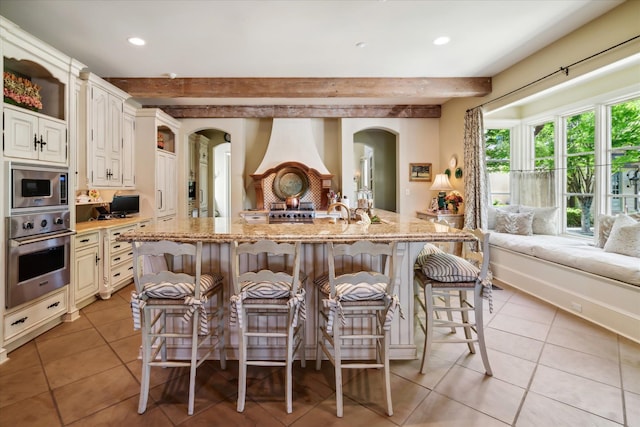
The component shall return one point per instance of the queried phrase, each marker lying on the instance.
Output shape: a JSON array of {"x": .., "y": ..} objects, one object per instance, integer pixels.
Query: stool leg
[
  {"x": 337, "y": 355},
  {"x": 242, "y": 365},
  {"x": 428, "y": 298},
  {"x": 480, "y": 329},
  {"x": 146, "y": 349}
]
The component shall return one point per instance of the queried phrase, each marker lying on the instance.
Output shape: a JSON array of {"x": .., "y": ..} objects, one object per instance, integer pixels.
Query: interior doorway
[
  {"x": 375, "y": 166},
  {"x": 209, "y": 174}
]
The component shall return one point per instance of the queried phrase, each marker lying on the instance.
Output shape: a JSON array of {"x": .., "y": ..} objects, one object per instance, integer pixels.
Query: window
[
  {"x": 624, "y": 157},
  {"x": 579, "y": 182},
  {"x": 544, "y": 146},
  {"x": 498, "y": 149}
]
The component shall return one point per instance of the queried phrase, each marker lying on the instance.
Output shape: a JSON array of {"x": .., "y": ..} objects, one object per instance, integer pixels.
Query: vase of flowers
[
  {"x": 21, "y": 91},
  {"x": 454, "y": 199}
]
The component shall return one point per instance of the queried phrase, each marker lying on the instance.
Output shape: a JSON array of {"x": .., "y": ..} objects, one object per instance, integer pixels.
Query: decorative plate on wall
[
  {"x": 290, "y": 182},
  {"x": 459, "y": 173},
  {"x": 448, "y": 173}
]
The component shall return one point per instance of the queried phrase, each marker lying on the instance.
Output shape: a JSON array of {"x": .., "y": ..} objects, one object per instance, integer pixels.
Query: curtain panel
[
  {"x": 475, "y": 172},
  {"x": 533, "y": 188}
]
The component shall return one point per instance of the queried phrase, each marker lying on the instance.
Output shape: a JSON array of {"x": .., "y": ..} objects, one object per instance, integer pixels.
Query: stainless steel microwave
[{"x": 38, "y": 187}]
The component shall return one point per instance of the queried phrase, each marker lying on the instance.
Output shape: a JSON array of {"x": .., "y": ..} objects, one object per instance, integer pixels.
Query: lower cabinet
[
  {"x": 102, "y": 265},
  {"x": 118, "y": 264},
  {"x": 27, "y": 319},
  {"x": 87, "y": 266}
]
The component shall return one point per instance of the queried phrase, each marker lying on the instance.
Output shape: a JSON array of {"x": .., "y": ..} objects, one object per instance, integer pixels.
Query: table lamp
[{"x": 441, "y": 183}]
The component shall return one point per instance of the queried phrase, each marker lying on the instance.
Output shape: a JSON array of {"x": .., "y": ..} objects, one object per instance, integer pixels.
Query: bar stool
[
  {"x": 438, "y": 275},
  {"x": 266, "y": 285},
  {"x": 164, "y": 300},
  {"x": 364, "y": 292}
]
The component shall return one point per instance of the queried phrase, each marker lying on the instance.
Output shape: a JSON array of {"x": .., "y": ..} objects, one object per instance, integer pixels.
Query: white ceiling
[{"x": 194, "y": 38}]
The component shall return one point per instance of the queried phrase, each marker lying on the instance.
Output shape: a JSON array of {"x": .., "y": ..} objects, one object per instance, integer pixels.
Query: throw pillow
[
  {"x": 492, "y": 211},
  {"x": 625, "y": 237},
  {"x": 605, "y": 222},
  {"x": 514, "y": 223},
  {"x": 446, "y": 267},
  {"x": 179, "y": 290},
  {"x": 545, "y": 220},
  {"x": 428, "y": 249}
]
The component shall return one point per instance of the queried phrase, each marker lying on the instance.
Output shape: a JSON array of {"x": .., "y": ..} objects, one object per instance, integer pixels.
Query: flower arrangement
[
  {"x": 454, "y": 199},
  {"x": 94, "y": 194},
  {"x": 21, "y": 91}
]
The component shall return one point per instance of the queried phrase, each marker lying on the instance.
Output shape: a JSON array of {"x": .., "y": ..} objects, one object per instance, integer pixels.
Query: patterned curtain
[
  {"x": 475, "y": 174},
  {"x": 534, "y": 188}
]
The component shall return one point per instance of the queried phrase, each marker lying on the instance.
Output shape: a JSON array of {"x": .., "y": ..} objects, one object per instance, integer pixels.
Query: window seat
[{"x": 574, "y": 275}]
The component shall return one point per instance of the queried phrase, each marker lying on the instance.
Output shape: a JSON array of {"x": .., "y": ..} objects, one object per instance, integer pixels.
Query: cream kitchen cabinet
[
  {"x": 166, "y": 177},
  {"x": 29, "y": 135},
  {"x": 156, "y": 168},
  {"x": 118, "y": 264},
  {"x": 87, "y": 267},
  {"x": 37, "y": 314},
  {"x": 104, "y": 106},
  {"x": 128, "y": 146}
]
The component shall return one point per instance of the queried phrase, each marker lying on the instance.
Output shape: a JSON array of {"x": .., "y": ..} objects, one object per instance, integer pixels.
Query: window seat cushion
[{"x": 573, "y": 253}]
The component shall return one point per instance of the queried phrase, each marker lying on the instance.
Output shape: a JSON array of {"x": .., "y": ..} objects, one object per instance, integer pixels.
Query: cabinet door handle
[
  {"x": 35, "y": 142},
  {"x": 97, "y": 259},
  {"x": 42, "y": 142},
  {"x": 116, "y": 247},
  {"x": 116, "y": 275},
  {"x": 84, "y": 240},
  {"x": 54, "y": 305},
  {"x": 117, "y": 259},
  {"x": 21, "y": 320}
]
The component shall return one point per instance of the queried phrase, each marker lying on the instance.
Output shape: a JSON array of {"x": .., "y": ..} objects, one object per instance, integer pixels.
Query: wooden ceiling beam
[
  {"x": 206, "y": 87},
  {"x": 295, "y": 111}
]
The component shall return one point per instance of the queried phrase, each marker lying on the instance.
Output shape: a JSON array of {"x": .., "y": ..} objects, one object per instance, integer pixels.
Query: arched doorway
[
  {"x": 209, "y": 174},
  {"x": 375, "y": 161}
]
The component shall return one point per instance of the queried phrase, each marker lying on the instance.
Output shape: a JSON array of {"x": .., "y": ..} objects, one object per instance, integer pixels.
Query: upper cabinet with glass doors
[{"x": 36, "y": 79}]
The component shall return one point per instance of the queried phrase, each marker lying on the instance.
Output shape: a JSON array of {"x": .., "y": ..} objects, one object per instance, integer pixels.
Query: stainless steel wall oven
[{"x": 38, "y": 232}]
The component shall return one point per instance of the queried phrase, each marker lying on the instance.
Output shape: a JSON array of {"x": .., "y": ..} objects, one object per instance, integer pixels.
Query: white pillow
[
  {"x": 514, "y": 223},
  {"x": 545, "y": 220},
  {"x": 492, "y": 211},
  {"x": 625, "y": 237},
  {"x": 605, "y": 222}
]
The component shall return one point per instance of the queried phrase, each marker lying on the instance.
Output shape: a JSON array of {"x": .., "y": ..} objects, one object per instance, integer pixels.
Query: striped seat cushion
[
  {"x": 445, "y": 267},
  {"x": 352, "y": 292},
  {"x": 427, "y": 250},
  {"x": 266, "y": 290},
  {"x": 181, "y": 290}
]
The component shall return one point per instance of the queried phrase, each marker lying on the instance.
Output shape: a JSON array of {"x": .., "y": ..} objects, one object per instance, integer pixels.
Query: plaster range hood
[{"x": 291, "y": 140}]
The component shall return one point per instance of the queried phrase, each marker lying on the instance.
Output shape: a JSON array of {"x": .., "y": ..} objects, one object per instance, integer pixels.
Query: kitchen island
[{"x": 218, "y": 233}]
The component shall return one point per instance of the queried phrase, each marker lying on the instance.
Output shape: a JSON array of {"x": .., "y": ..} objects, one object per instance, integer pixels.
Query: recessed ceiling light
[
  {"x": 137, "y": 41},
  {"x": 361, "y": 44},
  {"x": 441, "y": 40}
]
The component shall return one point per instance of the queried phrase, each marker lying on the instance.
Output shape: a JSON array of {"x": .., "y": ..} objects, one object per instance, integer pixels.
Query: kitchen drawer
[
  {"x": 35, "y": 314},
  {"x": 121, "y": 272},
  {"x": 123, "y": 256},
  {"x": 87, "y": 239},
  {"x": 115, "y": 232},
  {"x": 144, "y": 224},
  {"x": 116, "y": 247}
]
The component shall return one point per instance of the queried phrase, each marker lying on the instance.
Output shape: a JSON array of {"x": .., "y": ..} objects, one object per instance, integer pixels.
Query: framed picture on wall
[{"x": 420, "y": 172}]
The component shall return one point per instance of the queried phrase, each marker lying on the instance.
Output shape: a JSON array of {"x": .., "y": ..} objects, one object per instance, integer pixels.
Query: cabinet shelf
[{"x": 51, "y": 89}]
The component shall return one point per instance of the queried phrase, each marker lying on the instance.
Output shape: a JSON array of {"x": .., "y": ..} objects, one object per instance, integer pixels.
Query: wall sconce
[{"x": 441, "y": 183}]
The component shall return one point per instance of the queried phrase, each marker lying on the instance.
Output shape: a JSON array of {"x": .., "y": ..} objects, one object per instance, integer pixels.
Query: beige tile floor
[{"x": 550, "y": 369}]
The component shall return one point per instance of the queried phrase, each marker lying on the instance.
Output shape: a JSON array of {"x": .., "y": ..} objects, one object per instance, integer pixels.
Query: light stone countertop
[
  {"x": 394, "y": 227},
  {"x": 108, "y": 223}
]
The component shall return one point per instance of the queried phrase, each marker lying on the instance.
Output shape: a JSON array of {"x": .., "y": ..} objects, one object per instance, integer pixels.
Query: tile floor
[{"x": 550, "y": 369}]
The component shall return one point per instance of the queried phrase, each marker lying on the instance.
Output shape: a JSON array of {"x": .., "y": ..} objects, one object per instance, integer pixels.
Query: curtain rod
[{"x": 564, "y": 70}]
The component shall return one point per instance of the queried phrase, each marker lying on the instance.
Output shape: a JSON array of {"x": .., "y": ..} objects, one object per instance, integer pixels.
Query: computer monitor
[{"x": 125, "y": 205}]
